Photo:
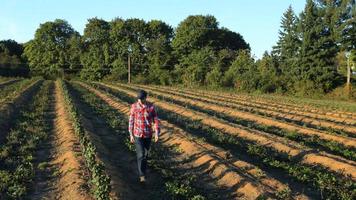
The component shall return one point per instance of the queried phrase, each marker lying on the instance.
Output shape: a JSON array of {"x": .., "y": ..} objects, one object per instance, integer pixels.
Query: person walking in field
[{"x": 142, "y": 116}]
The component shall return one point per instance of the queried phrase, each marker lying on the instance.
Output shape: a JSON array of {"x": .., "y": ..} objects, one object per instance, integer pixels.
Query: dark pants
[{"x": 142, "y": 148}]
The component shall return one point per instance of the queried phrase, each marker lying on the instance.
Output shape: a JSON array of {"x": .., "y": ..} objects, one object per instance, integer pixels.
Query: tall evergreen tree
[
  {"x": 347, "y": 25},
  {"x": 288, "y": 46},
  {"x": 316, "y": 64}
]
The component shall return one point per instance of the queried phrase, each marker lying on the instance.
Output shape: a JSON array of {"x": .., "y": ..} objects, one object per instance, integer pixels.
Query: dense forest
[{"x": 311, "y": 55}]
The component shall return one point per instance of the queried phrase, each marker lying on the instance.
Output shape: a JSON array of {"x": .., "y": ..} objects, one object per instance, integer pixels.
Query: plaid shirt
[{"x": 141, "y": 118}]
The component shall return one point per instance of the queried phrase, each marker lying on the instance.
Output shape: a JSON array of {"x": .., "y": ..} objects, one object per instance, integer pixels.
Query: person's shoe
[{"x": 142, "y": 179}]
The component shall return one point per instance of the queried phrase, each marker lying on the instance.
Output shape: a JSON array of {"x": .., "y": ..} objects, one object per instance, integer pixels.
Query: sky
[{"x": 258, "y": 21}]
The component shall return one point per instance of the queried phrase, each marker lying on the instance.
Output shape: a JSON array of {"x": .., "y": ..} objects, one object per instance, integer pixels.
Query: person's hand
[
  {"x": 156, "y": 137},
  {"x": 132, "y": 139}
]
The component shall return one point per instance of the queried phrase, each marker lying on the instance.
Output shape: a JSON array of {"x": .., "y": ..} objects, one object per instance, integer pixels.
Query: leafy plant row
[
  {"x": 17, "y": 153},
  {"x": 311, "y": 141},
  {"x": 259, "y": 112},
  {"x": 331, "y": 185},
  {"x": 8, "y": 82},
  {"x": 9, "y": 92},
  {"x": 253, "y": 102},
  {"x": 20, "y": 93},
  {"x": 323, "y": 107},
  {"x": 99, "y": 180},
  {"x": 178, "y": 185}
]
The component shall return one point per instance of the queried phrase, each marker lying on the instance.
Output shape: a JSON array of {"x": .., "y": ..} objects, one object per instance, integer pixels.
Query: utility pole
[
  {"x": 348, "y": 83},
  {"x": 129, "y": 69},
  {"x": 129, "y": 49}
]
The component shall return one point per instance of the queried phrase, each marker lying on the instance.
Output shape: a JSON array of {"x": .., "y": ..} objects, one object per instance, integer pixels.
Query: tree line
[{"x": 309, "y": 56}]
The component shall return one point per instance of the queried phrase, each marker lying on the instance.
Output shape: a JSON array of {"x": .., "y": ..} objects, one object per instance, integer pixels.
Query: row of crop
[
  {"x": 21, "y": 96},
  {"x": 257, "y": 106},
  {"x": 17, "y": 153},
  {"x": 4, "y": 79},
  {"x": 331, "y": 185},
  {"x": 177, "y": 185},
  {"x": 309, "y": 140},
  {"x": 9, "y": 92},
  {"x": 327, "y": 126},
  {"x": 9, "y": 82},
  {"x": 99, "y": 180},
  {"x": 323, "y": 107}
]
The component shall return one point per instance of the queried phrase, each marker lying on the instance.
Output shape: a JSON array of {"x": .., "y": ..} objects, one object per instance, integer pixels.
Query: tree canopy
[
  {"x": 47, "y": 53},
  {"x": 309, "y": 56}
]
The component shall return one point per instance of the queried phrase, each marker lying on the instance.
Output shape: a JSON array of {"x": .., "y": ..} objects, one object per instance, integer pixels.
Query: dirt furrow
[
  {"x": 269, "y": 103},
  {"x": 9, "y": 110},
  {"x": 240, "y": 175},
  {"x": 69, "y": 182},
  {"x": 252, "y": 104},
  {"x": 289, "y": 116},
  {"x": 350, "y": 142},
  {"x": 9, "y": 82},
  {"x": 295, "y": 151},
  {"x": 119, "y": 163}
]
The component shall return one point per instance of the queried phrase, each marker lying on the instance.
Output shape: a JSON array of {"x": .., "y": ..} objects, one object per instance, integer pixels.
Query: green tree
[
  {"x": 316, "y": 63},
  {"x": 47, "y": 52},
  {"x": 96, "y": 44},
  {"x": 224, "y": 38},
  {"x": 195, "y": 32},
  {"x": 243, "y": 73},
  {"x": 120, "y": 41},
  {"x": 11, "y": 61},
  {"x": 270, "y": 75},
  {"x": 288, "y": 44},
  {"x": 193, "y": 68},
  {"x": 137, "y": 33},
  {"x": 75, "y": 51},
  {"x": 159, "y": 52},
  {"x": 198, "y": 31},
  {"x": 224, "y": 58}
]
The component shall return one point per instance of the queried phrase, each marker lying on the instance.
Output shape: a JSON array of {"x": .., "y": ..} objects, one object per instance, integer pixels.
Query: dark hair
[{"x": 141, "y": 94}]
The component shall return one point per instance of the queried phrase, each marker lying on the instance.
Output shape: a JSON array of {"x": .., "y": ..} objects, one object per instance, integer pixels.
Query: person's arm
[
  {"x": 131, "y": 122},
  {"x": 156, "y": 124}
]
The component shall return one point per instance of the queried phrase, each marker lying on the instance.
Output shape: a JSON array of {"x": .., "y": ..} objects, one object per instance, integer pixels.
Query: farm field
[{"x": 69, "y": 139}]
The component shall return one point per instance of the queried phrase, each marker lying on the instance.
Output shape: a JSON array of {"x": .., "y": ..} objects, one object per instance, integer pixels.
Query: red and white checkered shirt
[{"x": 141, "y": 118}]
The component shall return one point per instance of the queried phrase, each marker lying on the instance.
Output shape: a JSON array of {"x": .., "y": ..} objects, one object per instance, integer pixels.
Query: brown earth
[
  {"x": 342, "y": 124},
  {"x": 9, "y": 82},
  {"x": 66, "y": 162},
  {"x": 294, "y": 150},
  {"x": 120, "y": 164},
  {"x": 268, "y": 102},
  {"x": 9, "y": 111},
  {"x": 246, "y": 180},
  {"x": 258, "y": 104},
  {"x": 349, "y": 142},
  {"x": 281, "y": 104}
]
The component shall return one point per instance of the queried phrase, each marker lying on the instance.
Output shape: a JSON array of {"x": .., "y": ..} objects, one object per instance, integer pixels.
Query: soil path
[
  {"x": 10, "y": 110},
  {"x": 214, "y": 166},
  {"x": 9, "y": 82},
  {"x": 63, "y": 177},
  {"x": 349, "y": 142},
  {"x": 294, "y": 150},
  {"x": 268, "y": 102},
  {"x": 119, "y": 163},
  {"x": 341, "y": 124}
]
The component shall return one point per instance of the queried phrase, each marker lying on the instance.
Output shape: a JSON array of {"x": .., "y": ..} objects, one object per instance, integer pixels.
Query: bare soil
[
  {"x": 294, "y": 150},
  {"x": 63, "y": 176},
  {"x": 214, "y": 166}
]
